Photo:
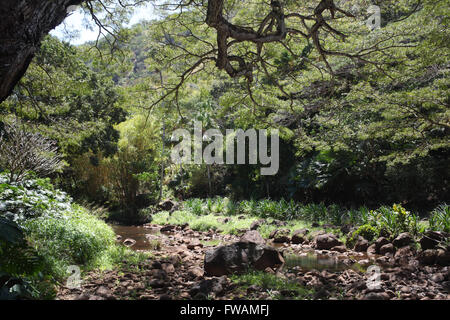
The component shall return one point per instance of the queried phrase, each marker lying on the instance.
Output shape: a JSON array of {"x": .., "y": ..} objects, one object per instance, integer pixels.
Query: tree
[
  {"x": 23, "y": 25},
  {"x": 22, "y": 152},
  {"x": 240, "y": 39}
]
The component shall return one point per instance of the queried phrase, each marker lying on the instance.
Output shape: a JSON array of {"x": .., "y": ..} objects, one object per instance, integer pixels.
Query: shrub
[
  {"x": 58, "y": 233},
  {"x": 23, "y": 151},
  {"x": 366, "y": 231},
  {"x": 439, "y": 219}
]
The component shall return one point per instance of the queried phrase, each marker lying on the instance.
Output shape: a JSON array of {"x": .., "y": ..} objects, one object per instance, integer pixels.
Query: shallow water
[
  {"x": 138, "y": 233},
  {"x": 306, "y": 261}
]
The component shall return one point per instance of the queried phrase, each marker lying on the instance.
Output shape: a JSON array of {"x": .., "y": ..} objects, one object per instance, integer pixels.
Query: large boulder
[
  {"x": 402, "y": 240},
  {"x": 282, "y": 236},
  {"x": 327, "y": 241},
  {"x": 252, "y": 236},
  {"x": 431, "y": 239},
  {"x": 299, "y": 236},
  {"x": 237, "y": 257}
]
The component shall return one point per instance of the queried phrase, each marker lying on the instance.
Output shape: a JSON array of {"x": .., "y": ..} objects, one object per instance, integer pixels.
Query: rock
[
  {"x": 184, "y": 226},
  {"x": 372, "y": 250},
  {"x": 428, "y": 243},
  {"x": 381, "y": 241},
  {"x": 195, "y": 272},
  {"x": 159, "y": 274},
  {"x": 238, "y": 256},
  {"x": 282, "y": 236},
  {"x": 361, "y": 245},
  {"x": 194, "y": 243},
  {"x": 156, "y": 283},
  {"x": 269, "y": 270},
  {"x": 253, "y": 288},
  {"x": 403, "y": 239},
  {"x": 207, "y": 287},
  {"x": 297, "y": 239},
  {"x": 438, "y": 277},
  {"x": 377, "y": 296},
  {"x": 339, "y": 249},
  {"x": 443, "y": 257},
  {"x": 431, "y": 239},
  {"x": 118, "y": 237},
  {"x": 327, "y": 241},
  {"x": 82, "y": 296},
  {"x": 427, "y": 257},
  {"x": 252, "y": 236},
  {"x": 167, "y": 228},
  {"x": 256, "y": 224},
  {"x": 168, "y": 267},
  {"x": 387, "y": 248},
  {"x": 165, "y": 297},
  {"x": 298, "y": 236},
  {"x": 402, "y": 255},
  {"x": 129, "y": 242},
  {"x": 273, "y": 233},
  {"x": 104, "y": 292}
]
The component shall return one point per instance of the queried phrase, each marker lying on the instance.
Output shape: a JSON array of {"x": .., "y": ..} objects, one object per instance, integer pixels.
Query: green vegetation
[
  {"x": 440, "y": 218},
  {"x": 204, "y": 215},
  {"x": 276, "y": 287},
  {"x": 56, "y": 234}
]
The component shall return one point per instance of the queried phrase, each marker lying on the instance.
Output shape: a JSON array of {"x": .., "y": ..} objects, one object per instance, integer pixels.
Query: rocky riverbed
[{"x": 188, "y": 264}]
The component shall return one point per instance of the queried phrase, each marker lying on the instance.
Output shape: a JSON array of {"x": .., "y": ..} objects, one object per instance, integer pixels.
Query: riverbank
[{"x": 312, "y": 269}]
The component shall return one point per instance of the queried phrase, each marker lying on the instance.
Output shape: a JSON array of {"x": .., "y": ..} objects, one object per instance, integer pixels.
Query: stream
[{"x": 307, "y": 261}]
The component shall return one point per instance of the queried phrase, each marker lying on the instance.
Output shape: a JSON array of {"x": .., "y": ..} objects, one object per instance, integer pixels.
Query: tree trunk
[{"x": 23, "y": 24}]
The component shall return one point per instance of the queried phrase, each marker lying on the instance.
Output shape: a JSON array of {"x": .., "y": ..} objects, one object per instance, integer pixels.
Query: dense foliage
[{"x": 52, "y": 234}]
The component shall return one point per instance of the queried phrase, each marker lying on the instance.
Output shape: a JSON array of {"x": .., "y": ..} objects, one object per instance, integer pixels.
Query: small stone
[
  {"x": 168, "y": 267},
  {"x": 195, "y": 272},
  {"x": 256, "y": 224},
  {"x": 438, "y": 277},
  {"x": 156, "y": 283},
  {"x": 129, "y": 242}
]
